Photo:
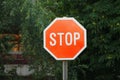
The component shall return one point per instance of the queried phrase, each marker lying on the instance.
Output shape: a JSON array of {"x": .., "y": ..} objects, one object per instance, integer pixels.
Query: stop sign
[{"x": 65, "y": 38}]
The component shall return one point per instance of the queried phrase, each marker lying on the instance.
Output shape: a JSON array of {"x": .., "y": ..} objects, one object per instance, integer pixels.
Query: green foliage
[
  {"x": 101, "y": 18},
  {"x": 102, "y": 21},
  {"x": 37, "y": 17},
  {"x": 10, "y": 16},
  {"x": 5, "y": 44},
  {"x": 28, "y": 19}
]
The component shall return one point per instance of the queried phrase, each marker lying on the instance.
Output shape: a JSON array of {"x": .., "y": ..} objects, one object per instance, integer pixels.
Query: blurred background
[{"x": 22, "y": 56}]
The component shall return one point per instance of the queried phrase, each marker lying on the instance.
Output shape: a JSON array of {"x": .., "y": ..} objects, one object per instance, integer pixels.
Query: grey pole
[{"x": 65, "y": 70}]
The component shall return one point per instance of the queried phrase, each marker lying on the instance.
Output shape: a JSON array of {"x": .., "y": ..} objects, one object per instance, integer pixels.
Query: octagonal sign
[{"x": 65, "y": 38}]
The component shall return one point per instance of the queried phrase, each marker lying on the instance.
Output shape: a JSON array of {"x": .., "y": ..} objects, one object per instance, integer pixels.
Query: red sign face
[{"x": 65, "y": 38}]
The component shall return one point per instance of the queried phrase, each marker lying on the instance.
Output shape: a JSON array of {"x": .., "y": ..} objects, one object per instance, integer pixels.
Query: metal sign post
[{"x": 65, "y": 70}]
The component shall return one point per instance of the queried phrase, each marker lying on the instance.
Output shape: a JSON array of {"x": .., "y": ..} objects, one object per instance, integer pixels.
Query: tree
[
  {"x": 100, "y": 61},
  {"x": 28, "y": 18},
  {"x": 101, "y": 19},
  {"x": 35, "y": 21}
]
